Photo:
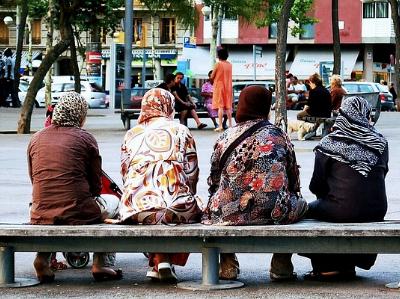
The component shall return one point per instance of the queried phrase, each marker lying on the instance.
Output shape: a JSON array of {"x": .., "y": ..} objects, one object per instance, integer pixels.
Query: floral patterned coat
[
  {"x": 159, "y": 167},
  {"x": 259, "y": 183}
]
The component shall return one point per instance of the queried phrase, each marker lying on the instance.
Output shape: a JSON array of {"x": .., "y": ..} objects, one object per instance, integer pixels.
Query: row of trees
[{"x": 73, "y": 17}]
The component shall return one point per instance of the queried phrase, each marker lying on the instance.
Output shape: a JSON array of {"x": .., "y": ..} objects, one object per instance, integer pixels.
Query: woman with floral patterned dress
[
  {"x": 259, "y": 182},
  {"x": 160, "y": 173}
]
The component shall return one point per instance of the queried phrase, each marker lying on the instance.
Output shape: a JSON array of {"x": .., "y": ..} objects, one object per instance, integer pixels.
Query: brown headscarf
[
  {"x": 254, "y": 103},
  {"x": 157, "y": 102}
]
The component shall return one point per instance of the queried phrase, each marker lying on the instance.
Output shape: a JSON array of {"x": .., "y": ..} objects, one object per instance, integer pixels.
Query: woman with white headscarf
[
  {"x": 160, "y": 171},
  {"x": 349, "y": 182}
]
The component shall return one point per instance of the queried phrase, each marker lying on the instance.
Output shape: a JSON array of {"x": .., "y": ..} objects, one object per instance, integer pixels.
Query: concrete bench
[{"x": 306, "y": 237}]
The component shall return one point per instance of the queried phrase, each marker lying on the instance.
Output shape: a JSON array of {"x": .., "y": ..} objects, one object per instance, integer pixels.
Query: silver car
[{"x": 93, "y": 94}]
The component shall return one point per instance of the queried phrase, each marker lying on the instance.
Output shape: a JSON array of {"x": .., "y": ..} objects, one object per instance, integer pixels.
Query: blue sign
[{"x": 189, "y": 42}]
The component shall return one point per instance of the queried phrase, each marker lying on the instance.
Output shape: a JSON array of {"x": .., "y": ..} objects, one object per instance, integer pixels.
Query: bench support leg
[
  {"x": 7, "y": 279},
  {"x": 210, "y": 271}
]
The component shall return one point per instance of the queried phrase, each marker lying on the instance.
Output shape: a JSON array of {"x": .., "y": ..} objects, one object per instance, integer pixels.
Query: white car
[{"x": 93, "y": 94}]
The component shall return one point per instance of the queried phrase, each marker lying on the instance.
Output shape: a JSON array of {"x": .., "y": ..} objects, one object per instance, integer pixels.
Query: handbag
[{"x": 239, "y": 140}]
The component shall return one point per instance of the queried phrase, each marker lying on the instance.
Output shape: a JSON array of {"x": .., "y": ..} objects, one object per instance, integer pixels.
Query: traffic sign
[{"x": 189, "y": 42}]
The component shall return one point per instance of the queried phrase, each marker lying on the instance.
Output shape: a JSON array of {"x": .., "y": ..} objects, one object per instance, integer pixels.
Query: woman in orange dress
[{"x": 221, "y": 78}]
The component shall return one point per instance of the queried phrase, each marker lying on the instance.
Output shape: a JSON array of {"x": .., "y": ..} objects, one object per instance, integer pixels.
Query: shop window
[
  {"x": 308, "y": 31},
  {"x": 382, "y": 9},
  {"x": 273, "y": 31},
  {"x": 138, "y": 32},
  {"x": 369, "y": 10},
  {"x": 4, "y": 34},
  {"x": 36, "y": 32},
  {"x": 168, "y": 28}
]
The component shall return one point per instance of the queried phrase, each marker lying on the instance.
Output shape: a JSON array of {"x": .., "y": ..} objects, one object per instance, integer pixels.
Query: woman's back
[{"x": 257, "y": 180}]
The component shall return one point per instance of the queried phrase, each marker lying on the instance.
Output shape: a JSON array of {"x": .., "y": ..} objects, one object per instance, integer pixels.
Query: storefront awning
[
  {"x": 308, "y": 62},
  {"x": 242, "y": 63},
  {"x": 24, "y": 57}
]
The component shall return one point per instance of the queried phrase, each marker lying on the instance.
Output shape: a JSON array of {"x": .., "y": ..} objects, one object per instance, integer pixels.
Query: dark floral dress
[{"x": 259, "y": 183}]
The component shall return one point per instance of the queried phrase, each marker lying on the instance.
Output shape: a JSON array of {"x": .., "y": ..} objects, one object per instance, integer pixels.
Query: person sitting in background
[
  {"x": 349, "y": 182},
  {"x": 184, "y": 103},
  {"x": 65, "y": 170},
  {"x": 207, "y": 94},
  {"x": 296, "y": 92},
  {"x": 169, "y": 82},
  {"x": 254, "y": 178},
  {"x": 160, "y": 171},
  {"x": 319, "y": 103},
  {"x": 337, "y": 93}
]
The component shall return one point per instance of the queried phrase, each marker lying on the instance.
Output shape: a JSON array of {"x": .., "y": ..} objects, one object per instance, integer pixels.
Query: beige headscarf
[{"x": 70, "y": 111}]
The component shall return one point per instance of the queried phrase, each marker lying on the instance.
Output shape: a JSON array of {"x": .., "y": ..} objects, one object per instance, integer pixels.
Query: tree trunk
[
  {"x": 280, "y": 65},
  {"x": 395, "y": 18},
  {"x": 214, "y": 33},
  {"x": 49, "y": 46},
  {"x": 29, "y": 22},
  {"x": 24, "y": 122},
  {"x": 153, "y": 51},
  {"x": 74, "y": 62},
  {"x": 337, "y": 59},
  {"x": 22, "y": 14}
]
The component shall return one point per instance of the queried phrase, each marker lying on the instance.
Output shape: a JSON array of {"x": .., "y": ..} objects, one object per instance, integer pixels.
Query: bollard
[
  {"x": 6, "y": 265},
  {"x": 7, "y": 272}
]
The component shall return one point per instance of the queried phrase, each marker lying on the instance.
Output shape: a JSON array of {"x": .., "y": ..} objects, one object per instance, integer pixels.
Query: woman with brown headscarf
[{"x": 254, "y": 178}]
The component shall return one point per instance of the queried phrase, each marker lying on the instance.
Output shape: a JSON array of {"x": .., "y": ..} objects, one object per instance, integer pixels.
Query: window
[
  {"x": 3, "y": 32},
  {"x": 167, "y": 34},
  {"x": 382, "y": 9},
  {"x": 137, "y": 31},
  {"x": 308, "y": 31},
  {"x": 273, "y": 31},
  {"x": 368, "y": 10},
  {"x": 36, "y": 32}
]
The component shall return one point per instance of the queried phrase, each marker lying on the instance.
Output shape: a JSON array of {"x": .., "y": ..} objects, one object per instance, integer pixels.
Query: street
[{"x": 107, "y": 127}]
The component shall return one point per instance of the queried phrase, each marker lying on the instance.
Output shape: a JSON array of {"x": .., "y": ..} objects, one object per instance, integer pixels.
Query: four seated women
[{"x": 254, "y": 179}]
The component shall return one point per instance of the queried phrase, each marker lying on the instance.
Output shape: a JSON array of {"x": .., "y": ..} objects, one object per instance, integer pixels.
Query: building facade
[{"x": 366, "y": 33}]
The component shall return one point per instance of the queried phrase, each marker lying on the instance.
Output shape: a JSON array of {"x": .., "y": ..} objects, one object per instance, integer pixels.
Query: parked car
[
  {"x": 240, "y": 85},
  {"x": 93, "y": 94},
  {"x": 385, "y": 97},
  {"x": 23, "y": 88}
]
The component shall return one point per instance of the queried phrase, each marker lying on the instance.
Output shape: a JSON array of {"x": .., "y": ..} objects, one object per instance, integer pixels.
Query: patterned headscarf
[
  {"x": 70, "y": 111},
  {"x": 354, "y": 140},
  {"x": 157, "y": 102}
]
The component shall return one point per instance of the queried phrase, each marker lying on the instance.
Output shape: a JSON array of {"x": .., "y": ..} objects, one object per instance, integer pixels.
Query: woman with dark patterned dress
[{"x": 259, "y": 182}]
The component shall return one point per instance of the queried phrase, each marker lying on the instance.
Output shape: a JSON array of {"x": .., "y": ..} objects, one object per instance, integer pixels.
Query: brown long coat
[{"x": 65, "y": 170}]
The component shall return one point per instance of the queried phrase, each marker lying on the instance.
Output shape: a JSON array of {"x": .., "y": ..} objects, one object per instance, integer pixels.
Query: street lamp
[{"x": 8, "y": 21}]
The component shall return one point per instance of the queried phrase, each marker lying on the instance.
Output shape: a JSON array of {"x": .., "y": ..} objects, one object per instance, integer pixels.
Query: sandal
[
  {"x": 283, "y": 277},
  {"x": 43, "y": 271},
  {"x": 201, "y": 126},
  {"x": 330, "y": 276},
  {"x": 105, "y": 276}
]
